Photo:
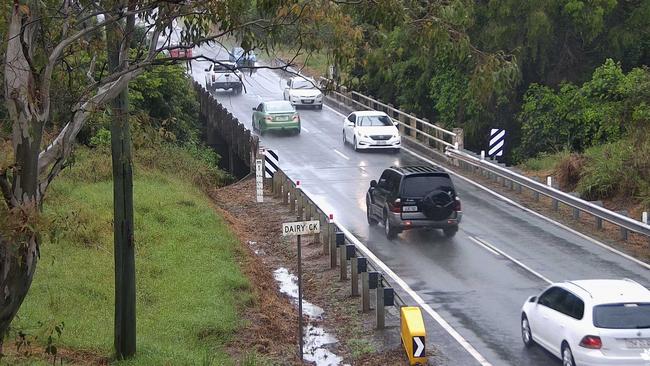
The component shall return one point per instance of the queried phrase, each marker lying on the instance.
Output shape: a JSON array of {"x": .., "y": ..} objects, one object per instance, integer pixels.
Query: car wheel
[
  {"x": 526, "y": 333},
  {"x": 297, "y": 131},
  {"x": 371, "y": 220},
  {"x": 391, "y": 233},
  {"x": 450, "y": 231},
  {"x": 320, "y": 107},
  {"x": 354, "y": 143},
  {"x": 345, "y": 141},
  {"x": 396, "y": 151},
  {"x": 253, "y": 123},
  {"x": 567, "y": 356}
]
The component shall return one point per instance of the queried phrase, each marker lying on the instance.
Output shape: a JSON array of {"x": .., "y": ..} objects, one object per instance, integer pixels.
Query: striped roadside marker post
[
  {"x": 271, "y": 162},
  {"x": 497, "y": 140}
]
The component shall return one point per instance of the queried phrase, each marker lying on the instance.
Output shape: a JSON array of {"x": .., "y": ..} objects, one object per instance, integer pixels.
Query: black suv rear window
[
  {"x": 420, "y": 185},
  {"x": 622, "y": 316}
]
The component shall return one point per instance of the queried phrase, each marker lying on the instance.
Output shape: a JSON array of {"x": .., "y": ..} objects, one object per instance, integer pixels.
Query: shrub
[{"x": 569, "y": 170}]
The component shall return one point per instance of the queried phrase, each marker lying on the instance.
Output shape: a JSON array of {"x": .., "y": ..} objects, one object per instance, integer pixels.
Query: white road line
[
  {"x": 341, "y": 154},
  {"x": 304, "y": 129},
  {"x": 334, "y": 110},
  {"x": 437, "y": 317},
  {"x": 518, "y": 205},
  {"x": 488, "y": 248},
  {"x": 485, "y": 244}
]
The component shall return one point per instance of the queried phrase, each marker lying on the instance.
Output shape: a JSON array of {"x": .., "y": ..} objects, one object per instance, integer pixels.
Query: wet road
[{"x": 479, "y": 279}]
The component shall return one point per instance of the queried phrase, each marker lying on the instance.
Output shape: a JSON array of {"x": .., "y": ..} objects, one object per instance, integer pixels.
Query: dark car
[
  {"x": 414, "y": 197},
  {"x": 242, "y": 58}
]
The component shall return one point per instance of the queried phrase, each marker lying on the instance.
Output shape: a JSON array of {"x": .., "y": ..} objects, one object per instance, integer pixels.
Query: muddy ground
[{"x": 273, "y": 318}]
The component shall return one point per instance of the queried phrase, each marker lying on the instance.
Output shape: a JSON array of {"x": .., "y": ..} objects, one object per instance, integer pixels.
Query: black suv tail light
[
  {"x": 396, "y": 206},
  {"x": 457, "y": 204}
]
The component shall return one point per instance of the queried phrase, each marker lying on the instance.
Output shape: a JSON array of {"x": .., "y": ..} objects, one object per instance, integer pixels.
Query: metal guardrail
[
  {"x": 577, "y": 203},
  {"x": 303, "y": 206}
]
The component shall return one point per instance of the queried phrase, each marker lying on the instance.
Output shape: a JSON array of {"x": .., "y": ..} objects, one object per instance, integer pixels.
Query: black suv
[{"x": 414, "y": 197}]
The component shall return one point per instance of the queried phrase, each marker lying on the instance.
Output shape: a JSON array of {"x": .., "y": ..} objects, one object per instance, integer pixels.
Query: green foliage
[
  {"x": 182, "y": 247},
  {"x": 602, "y": 110},
  {"x": 165, "y": 94},
  {"x": 101, "y": 139}
]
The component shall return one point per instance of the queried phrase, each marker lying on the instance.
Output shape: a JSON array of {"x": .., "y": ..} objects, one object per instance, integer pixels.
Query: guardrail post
[
  {"x": 354, "y": 274},
  {"x": 292, "y": 199},
  {"x": 459, "y": 139},
  {"x": 599, "y": 221},
  {"x": 549, "y": 182},
  {"x": 324, "y": 233},
  {"x": 299, "y": 202},
  {"x": 343, "y": 263},
  {"x": 404, "y": 131},
  {"x": 362, "y": 269},
  {"x": 285, "y": 190},
  {"x": 380, "y": 312},
  {"x": 413, "y": 127},
  {"x": 623, "y": 231},
  {"x": 336, "y": 240},
  {"x": 644, "y": 217},
  {"x": 576, "y": 211}
]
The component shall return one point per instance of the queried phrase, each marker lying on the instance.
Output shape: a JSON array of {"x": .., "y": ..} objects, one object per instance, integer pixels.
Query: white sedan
[
  {"x": 371, "y": 130},
  {"x": 591, "y": 322},
  {"x": 303, "y": 92}
]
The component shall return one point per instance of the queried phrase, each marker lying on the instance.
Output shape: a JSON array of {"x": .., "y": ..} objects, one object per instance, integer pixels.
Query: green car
[{"x": 276, "y": 116}]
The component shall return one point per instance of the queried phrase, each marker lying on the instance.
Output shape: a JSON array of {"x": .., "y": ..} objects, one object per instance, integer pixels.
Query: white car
[
  {"x": 591, "y": 322},
  {"x": 371, "y": 130},
  {"x": 224, "y": 75},
  {"x": 303, "y": 92}
]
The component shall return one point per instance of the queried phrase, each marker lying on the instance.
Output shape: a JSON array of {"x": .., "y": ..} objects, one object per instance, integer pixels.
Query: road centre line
[
  {"x": 486, "y": 247},
  {"x": 518, "y": 205},
  {"x": 437, "y": 317},
  {"x": 341, "y": 154},
  {"x": 485, "y": 244}
]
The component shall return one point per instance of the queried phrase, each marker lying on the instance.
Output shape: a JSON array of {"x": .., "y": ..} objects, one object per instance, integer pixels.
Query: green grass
[
  {"x": 544, "y": 162},
  {"x": 189, "y": 286}
]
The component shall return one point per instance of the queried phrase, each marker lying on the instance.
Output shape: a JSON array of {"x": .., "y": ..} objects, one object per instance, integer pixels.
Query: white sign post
[
  {"x": 299, "y": 228},
  {"x": 259, "y": 179}
]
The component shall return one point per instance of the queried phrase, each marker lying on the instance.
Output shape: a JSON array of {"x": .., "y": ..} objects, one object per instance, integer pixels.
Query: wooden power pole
[{"x": 125, "y": 340}]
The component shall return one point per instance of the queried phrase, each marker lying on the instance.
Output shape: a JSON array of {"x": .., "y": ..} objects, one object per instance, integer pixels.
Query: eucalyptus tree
[{"x": 58, "y": 47}]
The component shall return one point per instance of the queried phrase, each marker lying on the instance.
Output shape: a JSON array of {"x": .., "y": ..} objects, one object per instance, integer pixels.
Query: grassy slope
[{"x": 189, "y": 285}]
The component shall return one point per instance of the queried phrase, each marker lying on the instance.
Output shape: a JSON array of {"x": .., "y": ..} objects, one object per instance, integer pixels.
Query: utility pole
[{"x": 124, "y": 332}]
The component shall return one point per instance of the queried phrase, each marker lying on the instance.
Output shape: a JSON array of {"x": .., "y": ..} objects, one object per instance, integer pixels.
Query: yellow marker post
[{"x": 413, "y": 334}]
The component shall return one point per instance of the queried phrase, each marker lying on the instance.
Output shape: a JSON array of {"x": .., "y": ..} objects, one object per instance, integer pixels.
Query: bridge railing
[{"x": 220, "y": 122}]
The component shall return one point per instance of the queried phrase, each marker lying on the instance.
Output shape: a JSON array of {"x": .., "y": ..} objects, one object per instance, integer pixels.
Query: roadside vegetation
[
  {"x": 190, "y": 288},
  {"x": 568, "y": 80}
]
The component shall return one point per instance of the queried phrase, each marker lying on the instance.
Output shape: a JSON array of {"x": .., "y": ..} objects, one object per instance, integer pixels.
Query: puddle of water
[
  {"x": 315, "y": 338},
  {"x": 289, "y": 286}
]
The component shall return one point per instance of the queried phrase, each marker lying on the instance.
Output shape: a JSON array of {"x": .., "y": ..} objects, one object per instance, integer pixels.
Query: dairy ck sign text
[{"x": 300, "y": 228}]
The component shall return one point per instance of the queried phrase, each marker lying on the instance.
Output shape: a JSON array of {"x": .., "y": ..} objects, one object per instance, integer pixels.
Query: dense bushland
[{"x": 473, "y": 64}]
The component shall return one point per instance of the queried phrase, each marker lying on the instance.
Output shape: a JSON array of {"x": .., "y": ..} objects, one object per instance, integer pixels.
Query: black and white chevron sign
[
  {"x": 270, "y": 163},
  {"x": 418, "y": 346},
  {"x": 497, "y": 139}
]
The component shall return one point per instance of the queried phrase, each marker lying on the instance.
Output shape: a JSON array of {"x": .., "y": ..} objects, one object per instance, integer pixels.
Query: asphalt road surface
[{"x": 477, "y": 280}]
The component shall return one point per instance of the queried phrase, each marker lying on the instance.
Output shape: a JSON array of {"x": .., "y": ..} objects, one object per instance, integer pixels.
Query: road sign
[
  {"x": 259, "y": 180},
  {"x": 497, "y": 140},
  {"x": 418, "y": 346},
  {"x": 300, "y": 228}
]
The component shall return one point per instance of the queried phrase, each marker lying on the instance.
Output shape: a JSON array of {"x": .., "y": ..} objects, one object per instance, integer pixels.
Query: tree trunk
[
  {"x": 124, "y": 332},
  {"x": 17, "y": 266}
]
